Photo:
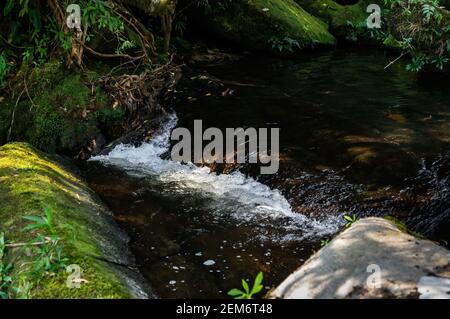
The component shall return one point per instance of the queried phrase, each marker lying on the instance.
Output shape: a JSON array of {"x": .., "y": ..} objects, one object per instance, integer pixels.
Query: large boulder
[
  {"x": 30, "y": 182},
  {"x": 372, "y": 259},
  {"x": 265, "y": 25},
  {"x": 339, "y": 17}
]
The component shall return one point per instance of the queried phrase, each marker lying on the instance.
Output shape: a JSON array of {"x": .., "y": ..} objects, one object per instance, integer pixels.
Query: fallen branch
[
  {"x": 111, "y": 55},
  {"x": 38, "y": 243},
  {"x": 392, "y": 62}
]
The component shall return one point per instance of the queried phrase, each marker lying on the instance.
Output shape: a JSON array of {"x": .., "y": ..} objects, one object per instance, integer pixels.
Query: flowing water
[{"x": 355, "y": 138}]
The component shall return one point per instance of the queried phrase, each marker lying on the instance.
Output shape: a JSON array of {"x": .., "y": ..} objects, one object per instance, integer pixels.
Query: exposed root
[{"x": 141, "y": 94}]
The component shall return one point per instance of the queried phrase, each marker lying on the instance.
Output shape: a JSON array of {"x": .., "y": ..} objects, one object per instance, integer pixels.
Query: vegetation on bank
[
  {"x": 63, "y": 215},
  {"x": 56, "y": 110},
  {"x": 117, "y": 31},
  {"x": 266, "y": 25}
]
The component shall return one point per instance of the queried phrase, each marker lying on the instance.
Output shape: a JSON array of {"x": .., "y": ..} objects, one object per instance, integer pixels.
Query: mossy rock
[
  {"x": 262, "y": 24},
  {"x": 335, "y": 14},
  {"x": 340, "y": 18},
  {"x": 31, "y": 181},
  {"x": 59, "y": 112}
]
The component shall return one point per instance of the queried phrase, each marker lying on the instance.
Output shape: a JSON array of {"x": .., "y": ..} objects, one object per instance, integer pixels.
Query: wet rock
[
  {"x": 371, "y": 259},
  {"x": 137, "y": 136},
  {"x": 426, "y": 198},
  {"x": 387, "y": 165}
]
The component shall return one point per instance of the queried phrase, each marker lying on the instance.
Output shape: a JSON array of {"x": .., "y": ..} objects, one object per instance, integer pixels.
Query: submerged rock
[
  {"x": 31, "y": 181},
  {"x": 372, "y": 259}
]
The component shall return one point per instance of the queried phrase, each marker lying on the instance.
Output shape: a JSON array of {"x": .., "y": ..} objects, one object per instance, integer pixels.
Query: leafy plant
[
  {"x": 422, "y": 28},
  {"x": 41, "y": 223},
  {"x": 4, "y": 66},
  {"x": 48, "y": 251},
  {"x": 247, "y": 293},
  {"x": 5, "y": 270},
  {"x": 417, "y": 63},
  {"x": 22, "y": 291},
  {"x": 284, "y": 44},
  {"x": 324, "y": 242},
  {"x": 350, "y": 220},
  {"x": 49, "y": 256}
]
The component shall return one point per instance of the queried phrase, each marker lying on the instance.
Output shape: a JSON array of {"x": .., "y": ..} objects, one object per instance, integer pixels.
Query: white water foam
[{"x": 232, "y": 195}]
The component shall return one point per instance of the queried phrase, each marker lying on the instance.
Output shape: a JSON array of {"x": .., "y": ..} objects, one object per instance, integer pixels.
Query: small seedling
[
  {"x": 247, "y": 293},
  {"x": 350, "y": 220},
  {"x": 324, "y": 242}
]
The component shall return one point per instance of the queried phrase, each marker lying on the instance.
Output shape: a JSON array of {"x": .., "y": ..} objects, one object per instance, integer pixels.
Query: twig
[
  {"x": 13, "y": 115},
  {"x": 28, "y": 94},
  {"x": 38, "y": 243},
  {"x": 110, "y": 55},
  {"x": 12, "y": 45},
  {"x": 392, "y": 62}
]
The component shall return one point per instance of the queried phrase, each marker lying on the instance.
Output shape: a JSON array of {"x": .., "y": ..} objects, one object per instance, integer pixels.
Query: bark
[{"x": 165, "y": 9}]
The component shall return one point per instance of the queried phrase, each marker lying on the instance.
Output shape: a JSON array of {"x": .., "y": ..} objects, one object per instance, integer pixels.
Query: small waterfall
[{"x": 232, "y": 196}]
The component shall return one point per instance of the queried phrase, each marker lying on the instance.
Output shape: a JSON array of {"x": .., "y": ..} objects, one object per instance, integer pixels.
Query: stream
[{"x": 355, "y": 138}]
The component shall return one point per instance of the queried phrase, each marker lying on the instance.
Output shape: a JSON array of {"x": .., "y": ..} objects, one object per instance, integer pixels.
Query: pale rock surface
[{"x": 372, "y": 259}]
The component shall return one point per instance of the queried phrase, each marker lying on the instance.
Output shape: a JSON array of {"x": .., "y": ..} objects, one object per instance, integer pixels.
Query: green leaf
[
  {"x": 49, "y": 214},
  {"x": 33, "y": 227},
  {"x": 258, "y": 279},
  {"x": 2, "y": 239},
  {"x": 8, "y": 7},
  {"x": 245, "y": 286},
  {"x": 348, "y": 218},
  {"x": 257, "y": 286},
  {"x": 257, "y": 289},
  {"x": 37, "y": 219},
  {"x": 235, "y": 292}
]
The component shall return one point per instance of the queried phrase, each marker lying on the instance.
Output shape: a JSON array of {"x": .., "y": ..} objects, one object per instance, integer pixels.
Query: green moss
[
  {"x": 402, "y": 227},
  {"x": 253, "y": 23},
  {"x": 30, "y": 181},
  {"x": 339, "y": 17},
  {"x": 327, "y": 10},
  {"x": 391, "y": 42},
  {"x": 62, "y": 112}
]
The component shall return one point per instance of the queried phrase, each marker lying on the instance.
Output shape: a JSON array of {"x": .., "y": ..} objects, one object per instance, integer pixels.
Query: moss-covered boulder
[
  {"x": 345, "y": 21},
  {"x": 336, "y": 15},
  {"x": 56, "y": 110},
  {"x": 266, "y": 25},
  {"x": 31, "y": 182}
]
